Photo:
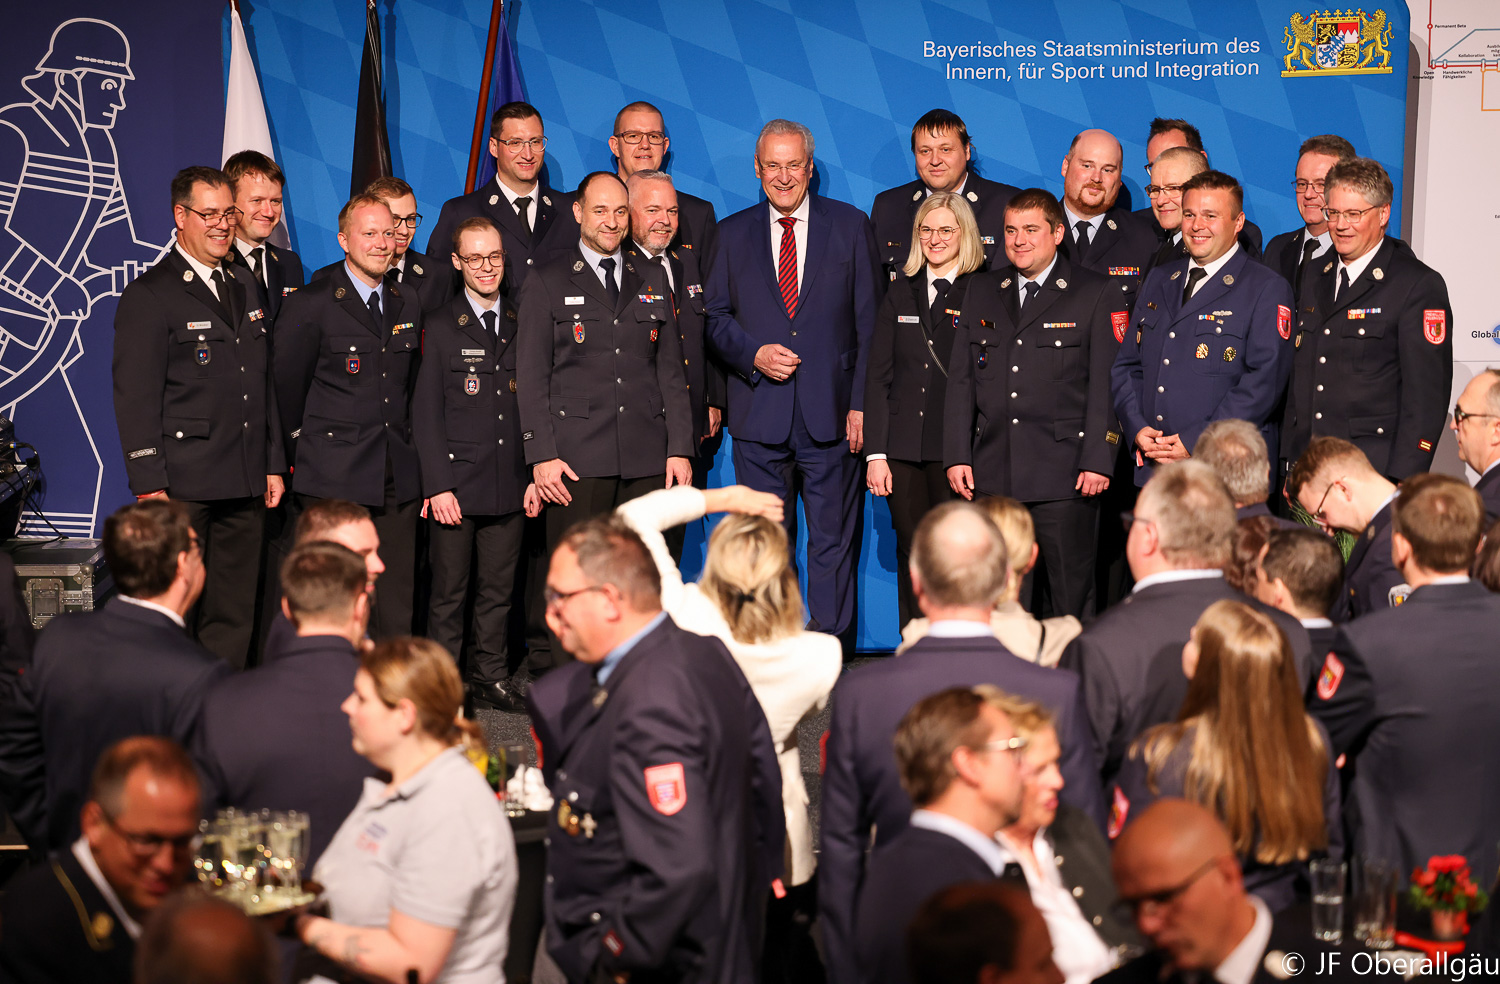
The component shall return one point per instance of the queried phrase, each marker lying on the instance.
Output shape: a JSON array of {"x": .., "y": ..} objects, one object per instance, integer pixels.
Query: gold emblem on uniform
[
  {"x": 972, "y": 197},
  {"x": 1230, "y": 353},
  {"x": 187, "y": 276},
  {"x": 1176, "y": 274},
  {"x": 916, "y": 196},
  {"x": 101, "y": 925},
  {"x": 463, "y": 319},
  {"x": 1062, "y": 284},
  {"x": 1202, "y": 351},
  {"x": 568, "y": 820},
  {"x": 1005, "y": 283},
  {"x": 1326, "y": 269},
  {"x": 275, "y": 257},
  {"x": 1111, "y": 224},
  {"x": 600, "y": 698},
  {"x": 416, "y": 269},
  {"x": 512, "y": 385},
  {"x": 1298, "y": 342},
  {"x": 1112, "y": 437},
  {"x": 546, "y": 201},
  {"x": 494, "y": 199},
  {"x": 577, "y": 266},
  {"x": 1138, "y": 336},
  {"x": 338, "y": 294},
  {"x": 1378, "y": 273},
  {"x": 1228, "y": 280}
]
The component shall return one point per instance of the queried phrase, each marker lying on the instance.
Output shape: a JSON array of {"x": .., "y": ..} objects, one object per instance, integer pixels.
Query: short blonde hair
[
  {"x": 421, "y": 671},
  {"x": 1019, "y": 533},
  {"x": 748, "y": 574},
  {"x": 970, "y": 249}
]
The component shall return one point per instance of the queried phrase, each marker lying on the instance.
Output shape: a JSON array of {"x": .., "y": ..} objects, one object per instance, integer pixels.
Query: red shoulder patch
[
  {"x": 666, "y": 787},
  {"x": 1119, "y": 811},
  {"x": 1331, "y": 677},
  {"x": 1284, "y": 321},
  {"x": 1119, "y": 321},
  {"x": 1435, "y": 325}
]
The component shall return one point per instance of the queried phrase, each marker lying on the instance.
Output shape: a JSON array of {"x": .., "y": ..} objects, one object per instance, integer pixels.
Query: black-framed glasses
[
  {"x": 556, "y": 598},
  {"x": 1133, "y": 908},
  {"x": 653, "y": 137},
  {"x": 211, "y": 219},
  {"x": 1351, "y": 215},
  {"x": 1129, "y": 519},
  {"x": 1317, "y": 513},
  {"x": 1153, "y": 190},
  {"x": 515, "y": 145},
  {"x": 413, "y": 220},
  {"x": 145, "y": 846},
  {"x": 476, "y": 261},
  {"x": 1460, "y": 414},
  {"x": 1302, "y": 184}
]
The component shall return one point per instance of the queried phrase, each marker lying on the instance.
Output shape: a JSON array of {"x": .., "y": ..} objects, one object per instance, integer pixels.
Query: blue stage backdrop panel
[{"x": 83, "y": 209}]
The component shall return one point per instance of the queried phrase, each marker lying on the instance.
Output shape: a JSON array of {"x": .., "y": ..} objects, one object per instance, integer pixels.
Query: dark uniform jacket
[
  {"x": 1122, "y": 247},
  {"x": 1488, "y": 488},
  {"x": 304, "y": 762},
  {"x": 283, "y": 275},
  {"x": 907, "y": 378},
  {"x": 1371, "y": 580},
  {"x": 902, "y": 874},
  {"x": 895, "y": 212},
  {"x": 344, "y": 383},
  {"x": 431, "y": 278},
  {"x": 1374, "y": 367},
  {"x": 697, "y": 226},
  {"x": 1224, "y": 354},
  {"x": 861, "y": 788},
  {"x": 1028, "y": 387},
  {"x": 1130, "y": 658},
  {"x": 1256, "y": 509},
  {"x": 1409, "y": 692},
  {"x": 59, "y": 929},
  {"x": 102, "y": 676},
  {"x": 705, "y": 376},
  {"x": 552, "y": 227},
  {"x": 601, "y": 385},
  {"x": 194, "y": 398},
  {"x": 1082, "y": 856},
  {"x": 463, "y": 413},
  {"x": 1284, "y": 255},
  {"x": 668, "y": 828}
]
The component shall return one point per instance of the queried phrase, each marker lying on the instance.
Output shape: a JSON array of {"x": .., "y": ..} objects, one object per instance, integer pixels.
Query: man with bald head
[
  {"x": 1101, "y": 235},
  {"x": 640, "y": 143},
  {"x": 959, "y": 570},
  {"x": 1175, "y": 868}
]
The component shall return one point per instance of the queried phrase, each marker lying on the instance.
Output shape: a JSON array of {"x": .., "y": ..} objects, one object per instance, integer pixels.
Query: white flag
[{"x": 245, "y": 126}]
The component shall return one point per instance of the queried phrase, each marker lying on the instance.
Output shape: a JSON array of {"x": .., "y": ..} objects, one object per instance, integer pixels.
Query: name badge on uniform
[
  {"x": 471, "y": 384},
  {"x": 200, "y": 325},
  {"x": 578, "y": 332},
  {"x": 351, "y": 364},
  {"x": 471, "y": 351},
  {"x": 908, "y": 319},
  {"x": 577, "y": 299}
]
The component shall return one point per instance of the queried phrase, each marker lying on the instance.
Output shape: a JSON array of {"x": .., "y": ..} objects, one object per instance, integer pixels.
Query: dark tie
[
  {"x": 1343, "y": 287},
  {"x": 488, "y": 318},
  {"x": 523, "y": 208},
  {"x": 1308, "y": 249},
  {"x": 1195, "y": 274},
  {"x": 226, "y": 298},
  {"x": 256, "y": 257},
  {"x": 610, "y": 287},
  {"x": 786, "y": 268},
  {"x": 373, "y": 303},
  {"x": 1029, "y": 291},
  {"x": 666, "y": 264},
  {"x": 393, "y": 275},
  {"x": 1081, "y": 227},
  {"x": 940, "y": 287}
]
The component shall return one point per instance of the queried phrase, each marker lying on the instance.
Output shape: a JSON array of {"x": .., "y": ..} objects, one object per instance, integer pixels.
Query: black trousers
[
  {"x": 591, "y": 497},
  {"x": 483, "y": 551},
  {"x": 231, "y": 533},
  {"x": 1067, "y": 539},
  {"x": 916, "y": 486}
]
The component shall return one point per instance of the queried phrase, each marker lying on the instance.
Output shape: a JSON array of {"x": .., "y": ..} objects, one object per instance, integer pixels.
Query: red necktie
[{"x": 786, "y": 270}]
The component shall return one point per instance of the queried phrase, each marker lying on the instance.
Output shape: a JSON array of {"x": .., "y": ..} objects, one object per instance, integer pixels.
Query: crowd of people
[{"x": 1107, "y": 749}]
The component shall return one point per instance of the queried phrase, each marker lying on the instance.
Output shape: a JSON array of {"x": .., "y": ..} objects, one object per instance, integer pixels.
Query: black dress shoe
[{"x": 497, "y": 696}]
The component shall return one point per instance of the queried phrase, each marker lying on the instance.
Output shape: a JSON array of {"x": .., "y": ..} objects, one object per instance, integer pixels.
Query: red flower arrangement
[{"x": 1445, "y": 886}]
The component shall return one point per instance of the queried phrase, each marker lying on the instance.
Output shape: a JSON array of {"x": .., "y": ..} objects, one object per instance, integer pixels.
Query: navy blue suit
[
  {"x": 1226, "y": 353},
  {"x": 305, "y": 761},
  {"x": 1488, "y": 488},
  {"x": 798, "y": 425},
  {"x": 1371, "y": 581},
  {"x": 861, "y": 788}
]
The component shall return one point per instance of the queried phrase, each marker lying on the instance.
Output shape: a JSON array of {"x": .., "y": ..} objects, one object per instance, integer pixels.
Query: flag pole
[{"x": 479, "y": 144}]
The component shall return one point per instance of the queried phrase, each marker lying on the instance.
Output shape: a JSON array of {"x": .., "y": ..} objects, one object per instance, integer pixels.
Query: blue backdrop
[{"x": 857, "y": 71}]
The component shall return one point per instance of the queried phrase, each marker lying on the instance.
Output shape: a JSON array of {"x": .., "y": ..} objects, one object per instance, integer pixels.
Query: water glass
[
  {"x": 1328, "y": 900},
  {"x": 513, "y": 760},
  {"x": 286, "y": 842},
  {"x": 209, "y": 859},
  {"x": 1375, "y": 903}
]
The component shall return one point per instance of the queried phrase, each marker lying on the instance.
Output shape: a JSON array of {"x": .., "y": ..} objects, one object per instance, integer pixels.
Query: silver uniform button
[
  {"x": 1015, "y": 420},
  {"x": 594, "y": 917},
  {"x": 1166, "y": 362},
  {"x": 1015, "y": 368},
  {"x": 179, "y": 433},
  {"x": 1380, "y": 430},
  {"x": 1098, "y": 920},
  {"x": 1013, "y": 396},
  {"x": 1077, "y": 891},
  {"x": 1171, "y": 334},
  {"x": 1322, "y": 359},
  {"x": 1158, "y": 418},
  {"x": 1320, "y": 387},
  {"x": 1161, "y": 389},
  {"x": 1317, "y": 416}
]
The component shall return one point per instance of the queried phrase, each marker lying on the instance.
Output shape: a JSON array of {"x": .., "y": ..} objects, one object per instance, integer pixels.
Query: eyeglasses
[
  {"x": 145, "y": 846},
  {"x": 793, "y": 169},
  {"x": 655, "y": 137},
  {"x": 413, "y": 220},
  {"x": 1154, "y": 190},
  {"x": 478, "y": 260},
  {"x": 1147, "y": 904},
  {"x": 1301, "y": 184},
  {"x": 516, "y": 145},
  {"x": 1318, "y": 513},
  {"x": 556, "y": 599},
  {"x": 1351, "y": 215},
  {"x": 211, "y": 219},
  {"x": 1015, "y": 746},
  {"x": 1129, "y": 519},
  {"x": 1460, "y": 414},
  {"x": 942, "y": 232}
]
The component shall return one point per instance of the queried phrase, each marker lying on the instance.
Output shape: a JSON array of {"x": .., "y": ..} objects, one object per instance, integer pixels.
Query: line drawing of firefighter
[{"x": 59, "y": 189}]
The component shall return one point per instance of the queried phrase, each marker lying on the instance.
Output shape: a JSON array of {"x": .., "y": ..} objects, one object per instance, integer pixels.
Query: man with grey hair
[
  {"x": 790, "y": 299},
  {"x": 1130, "y": 658},
  {"x": 1476, "y": 424},
  {"x": 1374, "y": 356},
  {"x": 1236, "y": 451},
  {"x": 958, "y": 570}
]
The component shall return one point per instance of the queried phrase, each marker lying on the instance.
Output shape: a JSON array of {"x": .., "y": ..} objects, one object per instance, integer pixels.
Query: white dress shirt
[
  {"x": 206, "y": 273},
  {"x": 90, "y": 867},
  {"x": 1243, "y": 961},
  {"x": 1355, "y": 269},
  {"x": 1167, "y": 577},
  {"x": 660, "y": 259},
  {"x": 1211, "y": 269},
  {"x": 1076, "y": 948},
  {"x": 247, "y": 250},
  {"x": 531, "y": 193},
  {"x": 153, "y": 606},
  {"x": 799, "y": 232}
]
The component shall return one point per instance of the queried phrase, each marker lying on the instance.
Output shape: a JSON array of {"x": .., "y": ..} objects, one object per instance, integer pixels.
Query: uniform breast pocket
[
  {"x": 1366, "y": 338},
  {"x": 470, "y": 383},
  {"x": 352, "y": 358},
  {"x": 1219, "y": 349},
  {"x": 576, "y": 819},
  {"x": 985, "y": 355},
  {"x": 208, "y": 351},
  {"x": 1059, "y": 352},
  {"x": 650, "y": 322},
  {"x": 580, "y": 336},
  {"x": 564, "y": 407}
]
